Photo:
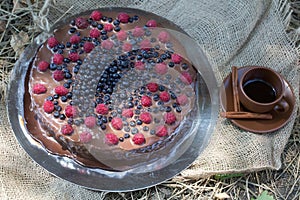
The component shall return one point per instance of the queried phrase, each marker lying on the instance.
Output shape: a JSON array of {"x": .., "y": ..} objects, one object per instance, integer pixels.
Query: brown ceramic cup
[{"x": 261, "y": 90}]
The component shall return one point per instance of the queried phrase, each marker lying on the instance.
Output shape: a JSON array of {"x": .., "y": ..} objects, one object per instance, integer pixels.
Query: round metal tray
[{"x": 97, "y": 179}]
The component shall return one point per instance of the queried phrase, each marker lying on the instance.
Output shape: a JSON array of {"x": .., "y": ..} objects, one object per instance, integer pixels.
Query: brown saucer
[{"x": 256, "y": 125}]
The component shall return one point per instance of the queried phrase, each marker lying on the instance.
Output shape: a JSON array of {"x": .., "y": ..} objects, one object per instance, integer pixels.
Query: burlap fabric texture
[{"x": 233, "y": 32}]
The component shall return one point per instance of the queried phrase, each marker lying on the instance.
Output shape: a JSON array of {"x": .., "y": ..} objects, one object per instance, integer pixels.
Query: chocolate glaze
[{"x": 96, "y": 153}]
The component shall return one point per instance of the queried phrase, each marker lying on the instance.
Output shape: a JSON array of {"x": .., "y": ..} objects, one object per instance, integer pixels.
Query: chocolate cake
[{"x": 112, "y": 90}]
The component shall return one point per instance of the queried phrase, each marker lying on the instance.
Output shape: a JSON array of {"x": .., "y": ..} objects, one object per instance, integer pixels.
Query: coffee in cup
[{"x": 262, "y": 90}]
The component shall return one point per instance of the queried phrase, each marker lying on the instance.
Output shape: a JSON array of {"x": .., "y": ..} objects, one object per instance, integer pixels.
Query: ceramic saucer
[{"x": 256, "y": 125}]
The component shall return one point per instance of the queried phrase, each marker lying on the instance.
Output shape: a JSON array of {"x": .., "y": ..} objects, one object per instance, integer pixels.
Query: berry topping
[
  {"x": 107, "y": 44},
  {"x": 111, "y": 139},
  {"x": 117, "y": 123},
  {"x": 164, "y": 96},
  {"x": 182, "y": 99},
  {"x": 52, "y": 42},
  {"x": 176, "y": 58},
  {"x": 145, "y": 44},
  {"x": 74, "y": 56},
  {"x": 58, "y": 75},
  {"x": 169, "y": 118},
  {"x": 102, "y": 109},
  {"x": 94, "y": 33},
  {"x": 67, "y": 129},
  {"x": 151, "y": 23},
  {"x": 152, "y": 87},
  {"x": 43, "y": 66},
  {"x": 163, "y": 37},
  {"x": 127, "y": 47},
  {"x": 161, "y": 131},
  {"x": 90, "y": 121},
  {"x": 48, "y": 106},
  {"x": 123, "y": 17},
  {"x": 39, "y": 88},
  {"x": 127, "y": 113},
  {"x": 61, "y": 90},
  {"x": 58, "y": 59},
  {"x": 122, "y": 35},
  {"x": 146, "y": 117},
  {"x": 96, "y": 15},
  {"x": 139, "y": 65},
  {"x": 75, "y": 39},
  {"x": 138, "y": 32},
  {"x": 138, "y": 139},
  {"x": 186, "y": 78},
  {"x": 85, "y": 137},
  {"x": 70, "y": 111},
  {"x": 161, "y": 68},
  {"x": 146, "y": 101},
  {"x": 108, "y": 27},
  {"x": 81, "y": 23},
  {"x": 88, "y": 47}
]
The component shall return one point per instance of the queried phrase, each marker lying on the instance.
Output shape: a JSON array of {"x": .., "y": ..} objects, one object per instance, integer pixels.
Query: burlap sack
[{"x": 233, "y": 32}]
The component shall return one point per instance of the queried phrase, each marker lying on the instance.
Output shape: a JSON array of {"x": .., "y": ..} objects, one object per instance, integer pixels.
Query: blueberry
[
  {"x": 104, "y": 18},
  {"x": 56, "y": 114},
  {"x": 72, "y": 22},
  {"x": 173, "y": 95},
  {"x": 178, "y": 109},
  {"x": 121, "y": 139},
  {"x": 127, "y": 129},
  {"x": 104, "y": 119},
  {"x": 63, "y": 98},
  {"x": 53, "y": 66},
  {"x": 132, "y": 123},
  {"x": 184, "y": 66},
  {"x": 155, "y": 97},
  {"x": 117, "y": 28},
  {"x": 60, "y": 51},
  {"x": 72, "y": 30},
  {"x": 69, "y": 95},
  {"x": 168, "y": 109},
  {"x": 152, "y": 132},
  {"x": 135, "y": 17},
  {"x": 130, "y": 20},
  {"x": 99, "y": 122},
  {"x": 104, "y": 37},
  {"x": 62, "y": 116},
  {"x": 130, "y": 105},
  {"x": 55, "y": 96},
  {"x": 100, "y": 26},
  {"x": 126, "y": 135},
  {"x": 61, "y": 46},
  {"x": 161, "y": 88},
  {"x": 50, "y": 98},
  {"x": 139, "y": 107},
  {"x": 103, "y": 126},
  {"x": 174, "y": 105},
  {"x": 139, "y": 122},
  {"x": 116, "y": 22},
  {"x": 94, "y": 24},
  {"x": 145, "y": 128}
]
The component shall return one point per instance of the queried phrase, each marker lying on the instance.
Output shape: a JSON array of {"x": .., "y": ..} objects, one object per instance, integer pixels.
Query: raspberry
[
  {"x": 117, "y": 123},
  {"x": 58, "y": 75},
  {"x": 48, "y": 106},
  {"x": 161, "y": 131},
  {"x": 127, "y": 47},
  {"x": 138, "y": 139},
  {"x": 186, "y": 78},
  {"x": 102, "y": 109},
  {"x": 70, "y": 111},
  {"x": 88, "y": 47},
  {"x": 146, "y": 117},
  {"x": 108, "y": 27},
  {"x": 90, "y": 121},
  {"x": 52, "y": 42},
  {"x": 39, "y": 89},
  {"x": 58, "y": 59},
  {"x": 139, "y": 65},
  {"x": 127, "y": 113},
  {"x": 61, "y": 90},
  {"x": 151, "y": 23},
  {"x": 152, "y": 87},
  {"x": 111, "y": 139},
  {"x": 122, "y": 35},
  {"x": 43, "y": 66},
  {"x": 96, "y": 15},
  {"x": 146, "y": 101},
  {"x": 67, "y": 129},
  {"x": 107, "y": 44},
  {"x": 182, "y": 99},
  {"x": 163, "y": 37},
  {"x": 138, "y": 32},
  {"x": 176, "y": 58},
  {"x": 94, "y": 33},
  {"x": 74, "y": 56},
  {"x": 85, "y": 137},
  {"x": 164, "y": 96},
  {"x": 75, "y": 39},
  {"x": 145, "y": 44},
  {"x": 81, "y": 23},
  {"x": 161, "y": 68},
  {"x": 123, "y": 17},
  {"x": 169, "y": 118}
]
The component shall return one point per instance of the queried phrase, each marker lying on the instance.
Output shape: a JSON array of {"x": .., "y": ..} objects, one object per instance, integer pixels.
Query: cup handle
[{"x": 282, "y": 106}]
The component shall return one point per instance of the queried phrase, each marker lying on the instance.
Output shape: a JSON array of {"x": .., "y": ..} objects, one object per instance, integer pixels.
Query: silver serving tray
[{"x": 101, "y": 180}]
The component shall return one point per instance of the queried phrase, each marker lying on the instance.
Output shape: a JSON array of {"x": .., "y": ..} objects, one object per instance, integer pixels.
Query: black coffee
[{"x": 260, "y": 91}]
